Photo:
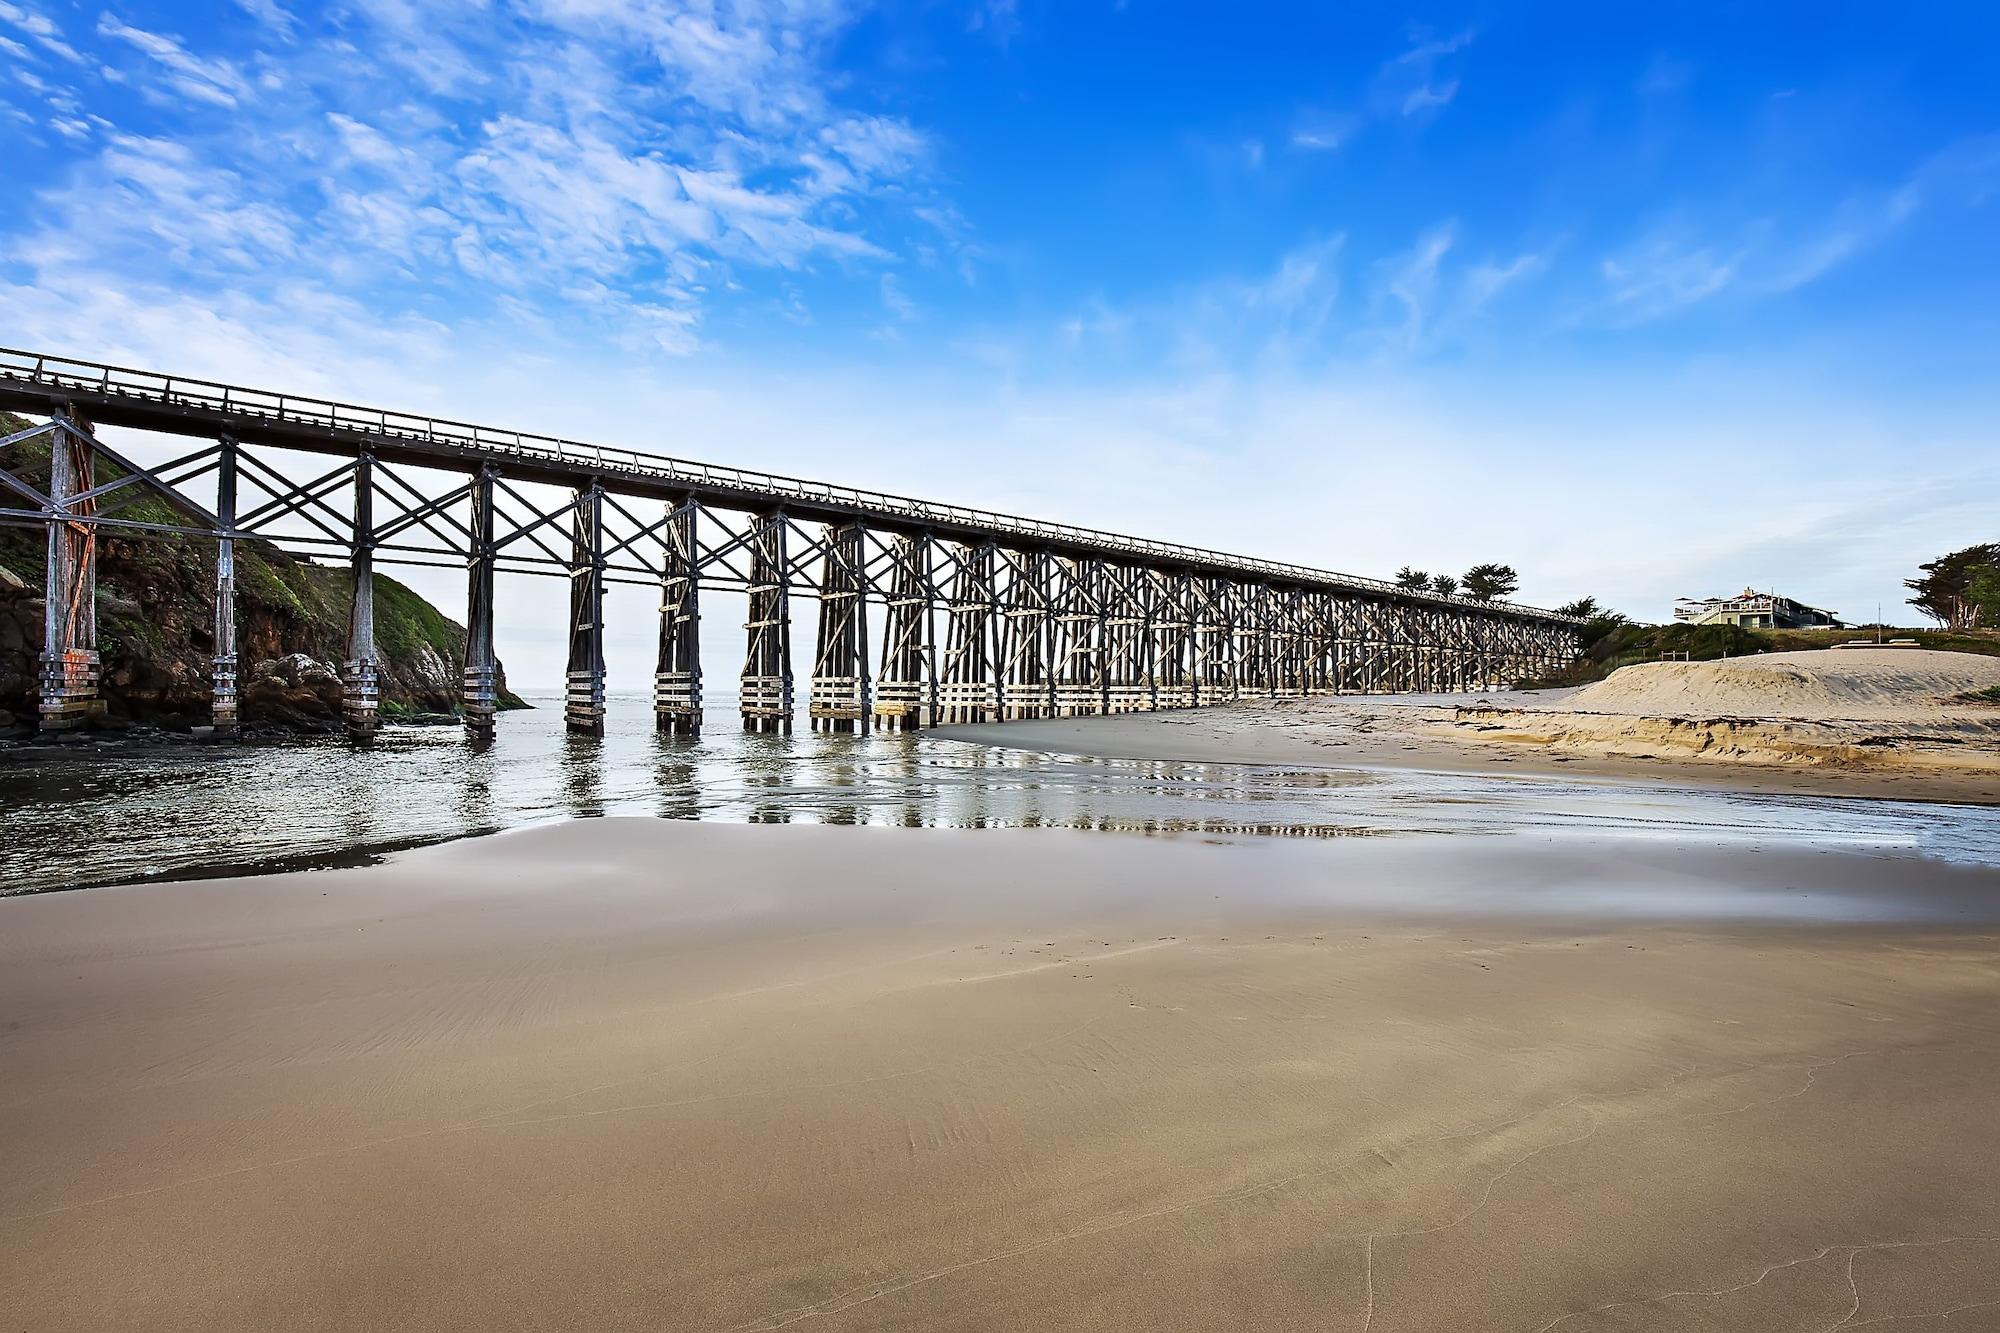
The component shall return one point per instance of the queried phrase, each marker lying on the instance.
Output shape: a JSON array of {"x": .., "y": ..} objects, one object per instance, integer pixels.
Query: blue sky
[{"x": 1645, "y": 302}]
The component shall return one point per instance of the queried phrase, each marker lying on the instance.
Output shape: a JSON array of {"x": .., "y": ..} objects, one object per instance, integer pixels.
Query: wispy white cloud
[
  {"x": 1406, "y": 85},
  {"x": 1679, "y": 264},
  {"x": 1664, "y": 274},
  {"x": 40, "y": 28},
  {"x": 1295, "y": 316},
  {"x": 1429, "y": 95},
  {"x": 1433, "y": 299},
  {"x": 895, "y": 300},
  {"x": 1320, "y": 134},
  {"x": 217, "y": 82},
  {"x": 1487, "y": 280},
  {"x": 1279, "y": 316},
  {"x": 271, "y": 14},
  {"x": 1413, "y": 82},
  {"x": 1411, "y": 280},
  {"x": 1965, "y": 174},
  {"x": 545, "y": 149},
  {"x": 999, "y": 20}
]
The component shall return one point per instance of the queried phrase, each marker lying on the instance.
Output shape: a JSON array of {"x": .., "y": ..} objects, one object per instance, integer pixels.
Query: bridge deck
[{"x": 150, "y": 400}]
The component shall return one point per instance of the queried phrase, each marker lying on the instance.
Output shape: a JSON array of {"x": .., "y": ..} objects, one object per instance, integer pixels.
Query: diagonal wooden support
[
  {"x": 537, "y": 530},
  {"x": 21, "y": 488},
  {"x": 23, "y": 436},
  {"x": 306, "y": 500},
  {"x": 423, "y": 511},
  {"x": 83, "y": 437},
  {"x": 162, "y": 481}
]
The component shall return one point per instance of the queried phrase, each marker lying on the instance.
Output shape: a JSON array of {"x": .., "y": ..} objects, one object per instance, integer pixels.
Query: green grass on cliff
[{"x": 1609, "y": 645}]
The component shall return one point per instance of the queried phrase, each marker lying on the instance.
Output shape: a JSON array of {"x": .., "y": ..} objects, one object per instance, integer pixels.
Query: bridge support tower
[
  {"x": 222, "y": 674},
  {"x": 480, "y": 693},
  {"x": 1022, "y": 619},
  {"x": 583, "y": 704},
  {"x": 1126, "y": 627},
  {"x": 70, "y": 663},
  {"x": 767, "y": 660},
  {"x": 969, "y": 690},
  {"x": 906, "y": 684},
  {"x": 1076, "y": 660},
  {"x": 360, "y": 682},
  {"x": 839, "y": 698},
  {"x": 677, "y": 674}
]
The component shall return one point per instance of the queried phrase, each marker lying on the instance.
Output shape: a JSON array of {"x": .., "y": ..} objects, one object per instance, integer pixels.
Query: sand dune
[
  {"x": 1832, "y": 685},
  {"x": 1862, "y": 711}
]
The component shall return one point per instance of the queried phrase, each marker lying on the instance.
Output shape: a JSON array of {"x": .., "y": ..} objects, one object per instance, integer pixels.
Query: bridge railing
[{"x": 25, "y": 367}]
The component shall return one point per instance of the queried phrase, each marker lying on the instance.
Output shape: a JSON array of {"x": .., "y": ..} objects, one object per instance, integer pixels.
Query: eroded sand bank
[{"x": 632, "y": 1074}]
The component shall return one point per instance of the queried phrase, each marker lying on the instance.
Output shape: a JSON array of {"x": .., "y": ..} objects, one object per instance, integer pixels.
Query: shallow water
[{"x": 137, "y": 812}]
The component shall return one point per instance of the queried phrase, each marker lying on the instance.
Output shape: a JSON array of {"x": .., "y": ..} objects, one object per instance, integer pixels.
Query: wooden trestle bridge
[{"x": 978, "y": 616}]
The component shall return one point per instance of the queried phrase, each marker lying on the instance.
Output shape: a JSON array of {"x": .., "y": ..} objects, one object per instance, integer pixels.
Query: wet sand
[
  {"x": 1518, "y": 732},
  {"x": 636, "y": 1074}
]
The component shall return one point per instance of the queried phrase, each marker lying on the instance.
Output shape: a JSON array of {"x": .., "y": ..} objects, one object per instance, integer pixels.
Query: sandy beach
[
  {"x": 649, "y": 1074},
  {"x": 1860, "y": 723}
]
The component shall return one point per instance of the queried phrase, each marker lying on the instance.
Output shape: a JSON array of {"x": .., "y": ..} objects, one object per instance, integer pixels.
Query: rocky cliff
[{"x": 155, "y": 628}]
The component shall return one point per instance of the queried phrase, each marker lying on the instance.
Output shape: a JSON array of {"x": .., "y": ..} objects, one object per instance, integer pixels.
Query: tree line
[
  {"x": 1960, "y": 590},
  {"x": 1490, "y": 583},
  {"x": 1482, "y": 583}
]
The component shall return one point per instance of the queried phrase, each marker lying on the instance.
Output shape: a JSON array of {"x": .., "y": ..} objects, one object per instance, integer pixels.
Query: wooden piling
[
  {"x": 677, "y": 673},
  {"x": 766, "y": 688},
  {"x": 968, "y": 689},
  {"x": 583, "y": 700},
  {"x": 222, "y": 674},
  {"x": 480, "y": 696},
  {"x": 1127, "y": 632},
  {"x": 905, "y": 681},
  {"x": 839, "y": 696},
  {"x": 70, "y": 663},
  {"x": 360, "y": 683},
  {"x": 1021, "y": 619}
]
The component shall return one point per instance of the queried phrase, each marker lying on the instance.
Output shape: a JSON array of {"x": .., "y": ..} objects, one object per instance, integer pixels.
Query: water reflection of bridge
[{"x": 975, "y": 616}]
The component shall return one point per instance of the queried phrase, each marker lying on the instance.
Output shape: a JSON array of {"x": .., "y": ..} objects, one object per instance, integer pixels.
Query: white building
[{"x": 1754, "y": 610}]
